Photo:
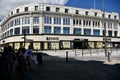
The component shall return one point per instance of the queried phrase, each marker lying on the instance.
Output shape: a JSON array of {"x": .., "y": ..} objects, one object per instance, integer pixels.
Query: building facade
[{"x": 45, "y": 26}]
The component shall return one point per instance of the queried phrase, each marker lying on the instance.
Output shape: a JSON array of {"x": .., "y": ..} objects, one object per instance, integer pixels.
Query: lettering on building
[{"x": 52, "y": 38}]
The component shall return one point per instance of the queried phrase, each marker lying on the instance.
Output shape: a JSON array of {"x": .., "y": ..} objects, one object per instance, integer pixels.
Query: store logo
[{"x": 52, "y": 38}]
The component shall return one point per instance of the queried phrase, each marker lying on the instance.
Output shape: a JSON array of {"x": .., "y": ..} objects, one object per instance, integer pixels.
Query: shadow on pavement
[{"x": 56, "y": 68}]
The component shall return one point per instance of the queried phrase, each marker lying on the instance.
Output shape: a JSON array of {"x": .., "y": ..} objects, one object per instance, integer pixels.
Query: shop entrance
[{"x": 80, "y": 44}]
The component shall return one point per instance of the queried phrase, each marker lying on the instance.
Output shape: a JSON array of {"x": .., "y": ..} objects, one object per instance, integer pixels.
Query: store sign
[{"x": 52, "y": 38}]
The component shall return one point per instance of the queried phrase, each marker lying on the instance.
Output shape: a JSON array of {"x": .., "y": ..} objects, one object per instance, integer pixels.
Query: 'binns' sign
[{"x": 52, "y": 38}]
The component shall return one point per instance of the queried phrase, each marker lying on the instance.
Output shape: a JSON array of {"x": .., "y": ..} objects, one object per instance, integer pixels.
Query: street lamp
[
  {"x": 104, "y": 25},
  {"x": 24, "y": 37}
]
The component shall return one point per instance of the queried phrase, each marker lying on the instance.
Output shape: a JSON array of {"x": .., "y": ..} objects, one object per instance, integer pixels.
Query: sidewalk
[{"x": 56, "y": 68}]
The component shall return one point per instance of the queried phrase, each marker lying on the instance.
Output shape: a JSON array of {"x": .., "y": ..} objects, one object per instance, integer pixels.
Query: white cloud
[{"x": 7, "y": 5}]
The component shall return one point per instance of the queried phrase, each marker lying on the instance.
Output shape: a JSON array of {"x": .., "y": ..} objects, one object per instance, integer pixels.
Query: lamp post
[
  {"x": 104, "y": 25},
  {"x": 24, "y": 37}
]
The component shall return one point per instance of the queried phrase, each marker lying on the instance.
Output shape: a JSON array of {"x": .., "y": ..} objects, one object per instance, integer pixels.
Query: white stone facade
[{"x": 41, "y": 21}]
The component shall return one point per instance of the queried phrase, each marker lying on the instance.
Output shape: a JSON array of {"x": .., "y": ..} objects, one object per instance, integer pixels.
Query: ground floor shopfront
[{"x": 52, "y": 42}]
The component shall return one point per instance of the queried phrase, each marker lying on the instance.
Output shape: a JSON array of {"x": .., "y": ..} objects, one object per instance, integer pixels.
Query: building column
[
  {"x": 82, "y": 29},
  {"x": 31, "y": 24},
  {"x": 71, "y": 25},
  {"x": 61, "y": 25},
  {"x": 41, "y": 29},
  {"x": 52, "y": 27}
]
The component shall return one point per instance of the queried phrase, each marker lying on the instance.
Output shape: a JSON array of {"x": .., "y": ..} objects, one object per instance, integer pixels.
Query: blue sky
[{"x": 110, "y": 5}]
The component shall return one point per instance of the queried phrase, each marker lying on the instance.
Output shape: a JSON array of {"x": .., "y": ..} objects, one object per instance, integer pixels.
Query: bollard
[
  {"x": 39, "y": 58},
  {"x": 109, "y": 57},
  {"x": 75, "y": 52},
  {"x": 82, "y": 52},
  {"x": 66, "y": 56}
]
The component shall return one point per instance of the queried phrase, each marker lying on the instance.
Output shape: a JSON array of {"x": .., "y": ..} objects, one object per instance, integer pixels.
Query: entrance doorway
[{"x": 80, "y": 44}]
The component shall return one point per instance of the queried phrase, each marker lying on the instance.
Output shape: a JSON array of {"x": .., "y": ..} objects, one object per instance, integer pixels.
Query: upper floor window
[
  {"x": 35, "y": 29},
  {"x": 110, "y": 33},
  {"x": 57, "y": 20},
  {"x": 86, "y": 13},
  {"x": 57, "y": 9},
  {"x": 66, "y": 21},
  {"x": 47, "y": 20},
  {"x": 35, "y": 20},
  {"x": 115, "y": 33},
  {"x": 87, "y": 32},
  {"x": 47, "y": 29},
  {"x": 66, "y": 30},
  {"x": 47, "y": 8},
  {"x": 115, "y": 17},
  {"x": 17, "y": 21},
  {"x": 26, "y": 20},
  {"x": 26, "y": 9},
  {"x": 109, "y": 16},
  {"x": 66, "y": 10},
  {"x": 17, "y": 11},
  {"x": 17, "y": 31},
  {"x": 77, "y": 12},
  {"x": 95, "y": 13},
  {"x": 12, "y": 13},
  {"x": 103, "y": 15},
  {"x": 77, "y": 31},
  {"x": 36, "y": 8},
  {"x": 96, "y": 32},
  {"x": 11, "y": 32},
  {"x": 25, "y": 30},
  {"x": 57, "y": 30}
]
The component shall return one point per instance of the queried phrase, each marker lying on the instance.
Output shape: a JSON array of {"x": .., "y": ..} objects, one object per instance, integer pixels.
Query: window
[
  {"x": 17, "y": 21},
  {"x": 95, "y": 13},
  {"x": 17, "y": 31},
  {"x": 12, "y": 13},
  {"x": 35, "y": 20},
  {"x": 26, "y": 9},
  {"x": 115, "y": 17},
  {"x": 17, "y": 11},
  {"x": 25, "y": 20},
  {"x": 35, "y": 29},
  {"x": 11, "y": 32},
  {"x": 66, "y": 10},
  {"x": 115, "y": 33},
  {"x": 77, "y": 12},
  {"x": 77, "y": 31},
  {"x": 104, "y": 32},
  {"x": 110, "y": 25},
  {"x": 57, "y": 9},
  {"x": 57, "y": 20},
  {"x": 11, "y": 23},
  {"x": 109, "y": 16},
  {"x": 25, "y": 30},
  {"x": 47, "y": 8},
  {"x": 47, "y": 29},
  {"x": 36, "y": 8},
  {"x": 110, "y": 33},
  {"x": 86, "y": 13},
  {"x": 66, "y": 21},
  {"x": 103, "y": 15},
  {"x": 47, "y": 20},
  {"x": 87, "y": 32},
  {"x": 66, "y": 30},
  {"x": 96, "y": 32},
  {"x": 57, "y": 30}
]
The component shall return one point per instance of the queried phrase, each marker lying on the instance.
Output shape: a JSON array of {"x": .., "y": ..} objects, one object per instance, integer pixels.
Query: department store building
[{"x": 45, "y": 26}]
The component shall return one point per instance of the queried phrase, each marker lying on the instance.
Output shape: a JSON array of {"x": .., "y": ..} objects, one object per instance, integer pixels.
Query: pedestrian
[
  {"x": 22, "y": 60},
  {"x": 29, "y": 57}
]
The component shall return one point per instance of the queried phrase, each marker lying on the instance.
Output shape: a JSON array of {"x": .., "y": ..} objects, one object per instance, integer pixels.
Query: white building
[{"x": 59, "y": 27}]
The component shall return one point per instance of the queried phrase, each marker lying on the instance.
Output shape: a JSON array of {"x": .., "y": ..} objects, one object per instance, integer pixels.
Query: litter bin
[{"x": 39, "y": 58}]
